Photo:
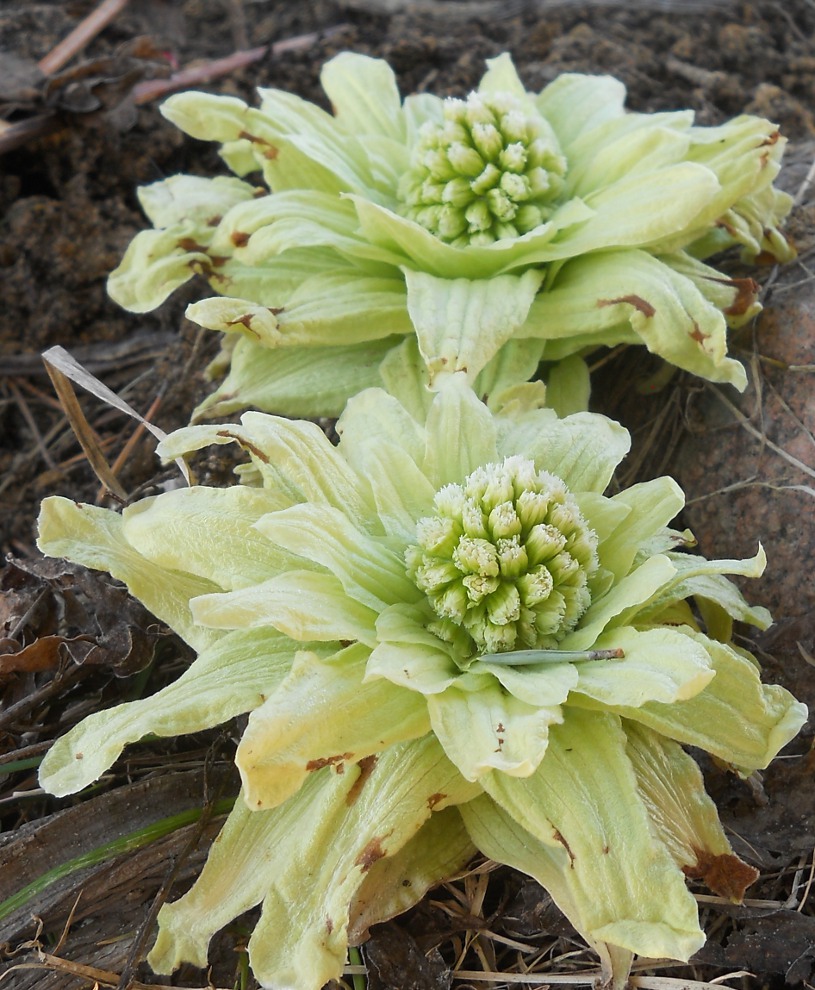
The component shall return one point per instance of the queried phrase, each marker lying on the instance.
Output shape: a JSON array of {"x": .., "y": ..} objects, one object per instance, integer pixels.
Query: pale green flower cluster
[
  {"x": 362, "y": 604},
  {"x": 508, "y": 228},
  {"x": 506, "y": 557},
  {"x": 445, "y": 636},
  {"x": 491, "y": 171}
]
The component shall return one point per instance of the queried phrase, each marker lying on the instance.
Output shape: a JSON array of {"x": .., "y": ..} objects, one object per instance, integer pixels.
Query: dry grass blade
[
  {"x": 588, "y": 978},
  {"x": 84, "y": 433},
  {"x": 48, "y": 962},
  {"x": 97, "y": 977},
  {"x": 61, "y": 367},
  {"x": 672, "y": 983},
  {"x": 540, "y": 980}
]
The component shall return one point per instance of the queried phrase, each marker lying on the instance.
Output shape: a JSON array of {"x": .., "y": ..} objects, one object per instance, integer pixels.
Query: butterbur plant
[
  {"x": 447, "y": 639},
  {"x": 509, "y": 226}
]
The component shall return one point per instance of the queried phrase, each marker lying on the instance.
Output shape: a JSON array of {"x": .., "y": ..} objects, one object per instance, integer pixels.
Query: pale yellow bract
[
  {"x": 504, "y": 229},
  {"x": 384, "y": 746}
]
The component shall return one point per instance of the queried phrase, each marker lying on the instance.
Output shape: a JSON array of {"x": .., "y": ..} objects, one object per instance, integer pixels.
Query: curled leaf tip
[{"x": 724, "y": 873}]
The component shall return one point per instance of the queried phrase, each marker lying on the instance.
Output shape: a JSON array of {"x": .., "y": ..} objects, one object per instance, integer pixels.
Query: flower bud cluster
[
  {"x": 491, "y": 170},
  {"x": 506, "y": 557}
]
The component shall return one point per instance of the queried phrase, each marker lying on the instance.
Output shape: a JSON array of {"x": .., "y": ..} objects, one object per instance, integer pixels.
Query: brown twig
[
  {"x": 81, "y": 36},
  {"x": 153, "y": 89},
  {"x": 16, "y": 135}
]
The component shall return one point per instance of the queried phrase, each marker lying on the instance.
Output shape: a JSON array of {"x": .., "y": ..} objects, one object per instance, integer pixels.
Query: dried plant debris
[
  {"x": 104, "y": 859},
  {"x": 33, "y": 103},
  {"x": 92, "y": 84},
  {"x": 52, "y": 612}
]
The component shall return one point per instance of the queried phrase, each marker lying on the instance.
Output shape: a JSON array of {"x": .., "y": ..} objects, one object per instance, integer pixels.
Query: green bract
[
  {"x": 542, "y": 225},
  {"x": 447, "y": 638}
]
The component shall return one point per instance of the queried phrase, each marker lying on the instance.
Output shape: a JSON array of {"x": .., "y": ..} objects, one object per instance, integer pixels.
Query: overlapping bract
[
  {"x": 557, "y": 221},
  {"x": 382, "y": 750}
]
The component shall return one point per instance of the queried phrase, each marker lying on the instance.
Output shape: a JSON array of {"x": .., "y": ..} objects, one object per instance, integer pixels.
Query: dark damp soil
[{"x": 68, "y": 209}]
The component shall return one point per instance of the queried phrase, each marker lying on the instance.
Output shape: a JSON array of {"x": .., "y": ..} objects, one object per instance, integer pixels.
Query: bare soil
[{"x": 71, "y": 642}]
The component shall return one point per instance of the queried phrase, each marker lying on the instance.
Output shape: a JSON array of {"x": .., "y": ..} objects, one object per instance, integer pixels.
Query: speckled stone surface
[{"x": 748, "y": 463}]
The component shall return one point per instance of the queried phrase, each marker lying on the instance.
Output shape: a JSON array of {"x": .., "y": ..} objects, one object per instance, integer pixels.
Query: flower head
[
  {"x": 506, "y": 557},
  {"x": 447, "y": 638},
  {"x": 506, "y": 227},
  {"x": 492, "y": 170}
]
